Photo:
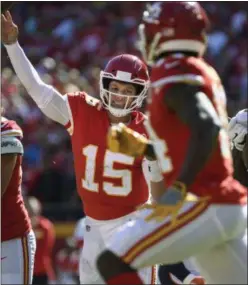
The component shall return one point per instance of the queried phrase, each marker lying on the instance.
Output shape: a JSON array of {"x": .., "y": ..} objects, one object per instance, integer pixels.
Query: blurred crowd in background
[{"x": 69, "y": 43}]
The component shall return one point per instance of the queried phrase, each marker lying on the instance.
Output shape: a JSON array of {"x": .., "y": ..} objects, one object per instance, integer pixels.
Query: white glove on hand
[
  {"x": 237, "y": 129},
  {"x": 242, "y": 117}
]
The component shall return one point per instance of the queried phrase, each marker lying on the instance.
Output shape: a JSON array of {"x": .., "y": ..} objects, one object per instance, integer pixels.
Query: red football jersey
[
  {"x": 68, "y": 260},
  {"x": 172, "y": 136},
  {"x": 45, "y": 238},
  {"x": 15, "y": 219},
  {"x": 110, "y": 185}
]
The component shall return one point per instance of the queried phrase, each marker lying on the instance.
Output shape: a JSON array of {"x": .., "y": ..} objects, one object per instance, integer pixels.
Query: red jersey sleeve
[
  {"x": 80, "y": 105},
  {"x": 45, "y": 235}
]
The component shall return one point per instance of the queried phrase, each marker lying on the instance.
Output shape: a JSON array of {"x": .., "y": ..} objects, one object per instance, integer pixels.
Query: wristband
[{"x": 154, "y": 171}]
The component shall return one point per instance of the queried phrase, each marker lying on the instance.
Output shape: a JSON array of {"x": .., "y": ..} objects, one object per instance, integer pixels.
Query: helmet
[
  {"x": 172, "y": 26},
  {"x": 129, "y": 69}
]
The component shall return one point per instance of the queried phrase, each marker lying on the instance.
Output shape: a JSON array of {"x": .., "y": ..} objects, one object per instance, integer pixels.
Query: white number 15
[{"x": 89, "y": 183}]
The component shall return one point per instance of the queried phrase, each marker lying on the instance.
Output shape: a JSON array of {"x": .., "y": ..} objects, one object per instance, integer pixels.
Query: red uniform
[
  {"x": 105, "y": 180},
  {"x": 15, "y": 219},
  {"x": 45, "y": 238},
  {"x": 172, "y": 136},
  {"x": 68, "y": 260}
]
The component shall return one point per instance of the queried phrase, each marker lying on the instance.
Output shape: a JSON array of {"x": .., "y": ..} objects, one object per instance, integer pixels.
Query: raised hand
[{"x": 9, "y": 30}]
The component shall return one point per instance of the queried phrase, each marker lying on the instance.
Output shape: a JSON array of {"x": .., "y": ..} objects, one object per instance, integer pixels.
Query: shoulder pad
[
  {"x": 90, "y": 100},
  {"x": 11, "y": 144},
  {"x": 177, "y": 70},
  {"x": 10, "y": 128}
]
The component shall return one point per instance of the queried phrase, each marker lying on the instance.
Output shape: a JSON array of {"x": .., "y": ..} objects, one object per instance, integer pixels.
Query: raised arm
[{"x": 48, "y": 99}]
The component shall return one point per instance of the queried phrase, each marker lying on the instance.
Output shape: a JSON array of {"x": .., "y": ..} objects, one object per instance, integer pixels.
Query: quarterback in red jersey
[
  {"x": 17, "y": 237},
  {"x": 201, "y": 210},
  {"x": 111, "y": 185}
]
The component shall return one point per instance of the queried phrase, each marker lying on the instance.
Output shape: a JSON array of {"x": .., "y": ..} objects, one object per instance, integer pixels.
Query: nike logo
[
  {"x": 170, "y": 65},
  {"x": 3, "y": 257}
]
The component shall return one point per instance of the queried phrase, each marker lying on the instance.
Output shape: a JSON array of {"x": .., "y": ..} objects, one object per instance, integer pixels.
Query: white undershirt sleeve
[{"x": 48, "y": 99}]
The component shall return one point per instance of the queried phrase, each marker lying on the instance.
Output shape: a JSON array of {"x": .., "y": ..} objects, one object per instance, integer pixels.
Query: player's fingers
[
  {"x": 145, "y": 206},
  {"x": 113, "y": 136},
  {"x": 8, "y": 16},
  {"x": 113, "y": 133},
  {"x": 121, "y": 127},
  {"x": 3, "y": 19},
  {"x": 112, "y": 143}
]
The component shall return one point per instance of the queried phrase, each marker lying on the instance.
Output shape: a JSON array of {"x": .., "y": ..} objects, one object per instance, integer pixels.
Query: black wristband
[{"x": 149, "y": 152}]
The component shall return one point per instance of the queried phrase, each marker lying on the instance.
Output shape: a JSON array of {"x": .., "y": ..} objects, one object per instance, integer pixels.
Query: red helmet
[
  {"x": 129, "y": 69},
  {"x": 172, "y": 26}
]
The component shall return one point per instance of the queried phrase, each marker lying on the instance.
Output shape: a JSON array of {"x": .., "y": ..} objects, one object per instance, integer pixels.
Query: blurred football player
[
  {"x": 67, "y": 258},
  {"x": 202, "y": 210},
  {"x": 237, "y": 130},
  {"x": 111, "y": 185},
  {"x": 17, "y": 238},
  {"x": 45, "y": 239}
]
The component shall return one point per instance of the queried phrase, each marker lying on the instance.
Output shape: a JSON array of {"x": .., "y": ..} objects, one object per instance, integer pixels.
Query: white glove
[
  {"x": 242, "y": 117},
  {"x": 237, "y": 129}
]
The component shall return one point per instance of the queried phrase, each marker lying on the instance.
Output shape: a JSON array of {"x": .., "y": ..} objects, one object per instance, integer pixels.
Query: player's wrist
[
  {"x": 149, "y": 152},
  {"x": 12, "y": 45},
  {"x": 154, "y": 171}
]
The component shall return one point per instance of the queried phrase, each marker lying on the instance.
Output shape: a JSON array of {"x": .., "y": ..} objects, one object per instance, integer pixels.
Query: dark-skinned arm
[
  {"x": 11, "y": 147},
  {"x": 8, "y": 162},
  {"x": 196, "y": 111}
]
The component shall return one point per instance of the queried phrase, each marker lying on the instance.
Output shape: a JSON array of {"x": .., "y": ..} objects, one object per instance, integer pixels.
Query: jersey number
[{"x": 88, "y": 182}]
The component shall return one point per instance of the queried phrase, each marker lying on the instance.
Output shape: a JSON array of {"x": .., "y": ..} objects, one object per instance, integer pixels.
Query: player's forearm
[
  {"x": 46, "y": 97},
  {"x": 202, "y": 142},
  {"x": 157, "y": 190},
  {"x": 149, "y": 152},
  {"x": 194, "y": 109},
  {"x": 8, "y": 162},
  {"x": 26, "y": 72}
]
